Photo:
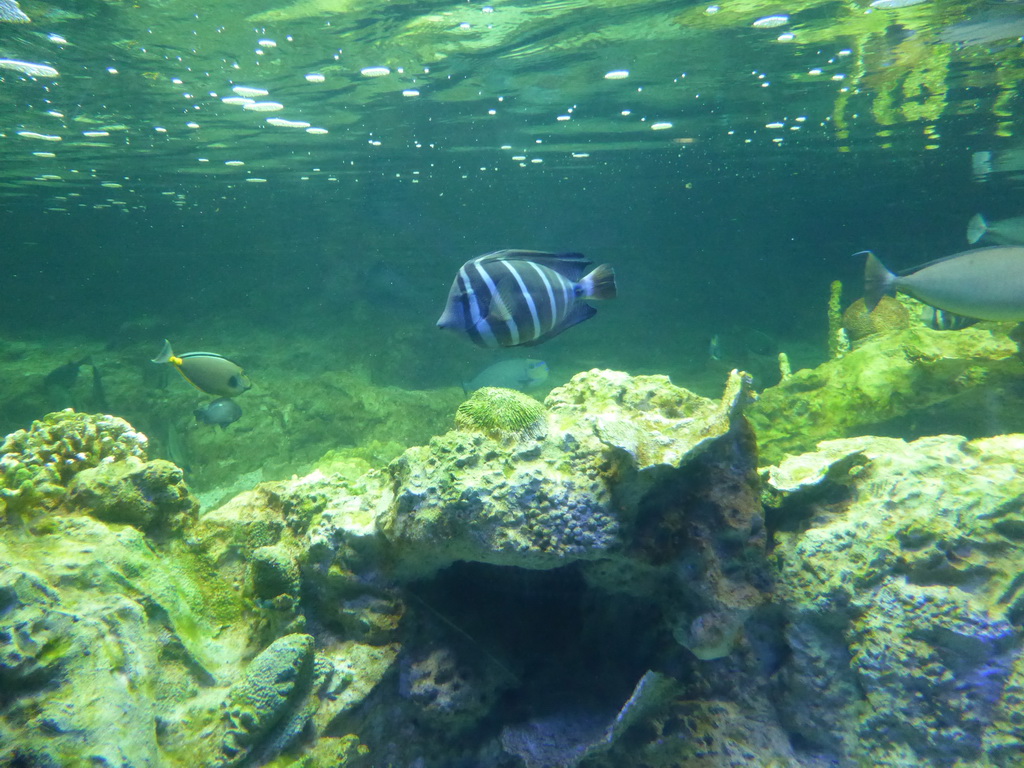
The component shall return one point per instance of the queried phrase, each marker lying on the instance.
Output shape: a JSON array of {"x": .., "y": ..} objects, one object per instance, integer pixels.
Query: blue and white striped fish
[{"x": 520, "y": 298}]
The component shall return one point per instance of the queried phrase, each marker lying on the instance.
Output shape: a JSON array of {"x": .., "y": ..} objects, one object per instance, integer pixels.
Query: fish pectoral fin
[{"x": 505, "y": 303}]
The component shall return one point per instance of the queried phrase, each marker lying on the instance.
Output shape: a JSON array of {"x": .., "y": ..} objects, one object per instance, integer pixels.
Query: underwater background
[
  {"x": 294, "y": 186},
  {"x": 727, "y": 160}
]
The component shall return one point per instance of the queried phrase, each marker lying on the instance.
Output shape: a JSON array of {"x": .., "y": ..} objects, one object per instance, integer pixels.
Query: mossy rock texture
[
  {"x": 857, "y": 604},
  {"x": 898, "y": 570},
  {"x": 893, "y": 383}
]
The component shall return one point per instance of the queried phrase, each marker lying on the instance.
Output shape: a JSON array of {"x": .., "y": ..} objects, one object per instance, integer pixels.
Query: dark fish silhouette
[{"x": 65, "y": 376}]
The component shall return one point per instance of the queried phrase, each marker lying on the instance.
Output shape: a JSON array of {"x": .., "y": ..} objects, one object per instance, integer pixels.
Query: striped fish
[{"x": 520, "y": 298}]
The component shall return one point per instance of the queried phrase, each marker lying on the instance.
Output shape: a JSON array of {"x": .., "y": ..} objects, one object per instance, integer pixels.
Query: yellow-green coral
[
  {"x": 36, "y": 464},
  {"x": 501, "y": 413},
  {"x": 838, "y": 341}
]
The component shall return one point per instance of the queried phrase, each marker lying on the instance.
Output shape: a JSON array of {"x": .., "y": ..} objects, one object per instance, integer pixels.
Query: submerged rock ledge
[{"x": 617, "y": 585}]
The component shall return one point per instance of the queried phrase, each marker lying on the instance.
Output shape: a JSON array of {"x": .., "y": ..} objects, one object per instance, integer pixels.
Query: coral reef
[
  {"x": 501, "y": 413},
  {"x": 888, "y": 315},
  {"x": 902, "y": 607},
  {"x": 626, "y": 588},
  {"x": 37, "y": 463},
  {"x": 444, "y": 690},
  {"x": 894, "y": 383},
  {"x": 152, "y": 495}
]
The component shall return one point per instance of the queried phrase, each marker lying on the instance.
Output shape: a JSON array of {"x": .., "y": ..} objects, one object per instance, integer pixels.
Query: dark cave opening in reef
[{"x": 554, "y": 641}]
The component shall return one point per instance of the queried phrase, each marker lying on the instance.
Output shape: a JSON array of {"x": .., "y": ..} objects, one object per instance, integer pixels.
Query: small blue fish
[
  {"x": 220, "y": 412},
  {"x": 521, "y": 373},
  {"x": 520, "y": 298}
]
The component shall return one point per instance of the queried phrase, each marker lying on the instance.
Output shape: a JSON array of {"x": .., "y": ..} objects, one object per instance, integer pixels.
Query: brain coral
[
  {"x": 502, "y": 413},
  {"x": 888, "y": 315},
  {"x": 267, "y": 698},
  {"x": 37, "y": 463}
]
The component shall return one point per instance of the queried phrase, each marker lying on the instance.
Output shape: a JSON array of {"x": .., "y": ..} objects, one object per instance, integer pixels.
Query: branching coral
[{"x": 36, "y": 464}]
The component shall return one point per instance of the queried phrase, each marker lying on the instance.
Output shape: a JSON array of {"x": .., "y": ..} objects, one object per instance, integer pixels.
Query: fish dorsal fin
[{"x": 572, "y": 266}]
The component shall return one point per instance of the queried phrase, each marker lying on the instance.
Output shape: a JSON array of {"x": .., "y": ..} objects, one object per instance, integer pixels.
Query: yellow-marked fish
[{"x": 213, "y": 374}]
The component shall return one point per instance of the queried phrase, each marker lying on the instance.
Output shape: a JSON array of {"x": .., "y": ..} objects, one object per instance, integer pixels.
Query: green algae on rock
[
  {"x": 152, "y": 495},
  {"x": 898, "y": 572},
  {"x": 36, "y": 464},
  {"x": 892, "y": 638},
  {"x": 888, "y": 377},
  {"x": 501, "y": 413}
]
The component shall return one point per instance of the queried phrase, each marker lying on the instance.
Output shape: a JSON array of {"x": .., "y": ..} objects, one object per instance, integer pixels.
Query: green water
[{"x": 727, "y": 169}]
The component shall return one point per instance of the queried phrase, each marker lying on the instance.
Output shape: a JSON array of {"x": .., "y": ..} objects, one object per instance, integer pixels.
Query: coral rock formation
[
  {"x": 902, "y": 606},
  {"x": 37, "y": 463}
]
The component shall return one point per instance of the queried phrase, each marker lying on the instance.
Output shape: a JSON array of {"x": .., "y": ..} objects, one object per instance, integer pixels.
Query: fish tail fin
[
  {"x": 878, "y": 281},
  {"x": 165, "y": 354},
  {"x": 976, "y": 228},
  {"x": 599, "y": 283}
]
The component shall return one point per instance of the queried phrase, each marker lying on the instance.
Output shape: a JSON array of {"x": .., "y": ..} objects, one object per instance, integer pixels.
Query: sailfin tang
[{"x": 599, "y": 284}]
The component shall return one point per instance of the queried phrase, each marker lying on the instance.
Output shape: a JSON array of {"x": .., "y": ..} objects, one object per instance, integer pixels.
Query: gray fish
[
  {"x": 520, "y": 373},
  {"x": 986, "y": 283},
  {"x": 209, "y": 372},
  {"x": 518, "y": 298},
  {"x": 1005, "y": 231},
  {"x": 220, "y": 412},
  {"x": 984, "y": 29},
  {"x": 9, "y": 11}
]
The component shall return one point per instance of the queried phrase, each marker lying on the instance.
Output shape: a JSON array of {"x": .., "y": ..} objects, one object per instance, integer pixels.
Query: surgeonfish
[
  {"x": 986, "y": 283},
  {"x": 519, "y": 298},
  {"x": 520, "y": 373},
  {"x": 220, "y": 412},
  {"x": 211, "y": 373},
  {"x": 1005, "y": 232}
]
